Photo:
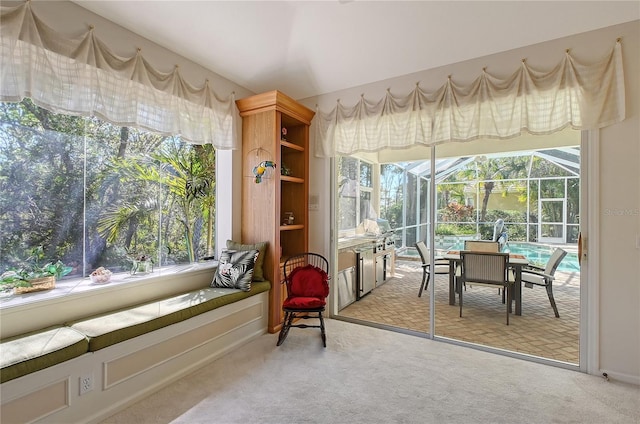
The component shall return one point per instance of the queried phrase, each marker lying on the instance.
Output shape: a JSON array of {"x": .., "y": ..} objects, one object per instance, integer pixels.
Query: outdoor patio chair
[
  {"x": 482, "y": 246},
  {"x": 441, "y": 265},
  {"x": 533, "y": 275},
  {"x": 306, "y": 276},
  {"x": 487, "y": 269}
]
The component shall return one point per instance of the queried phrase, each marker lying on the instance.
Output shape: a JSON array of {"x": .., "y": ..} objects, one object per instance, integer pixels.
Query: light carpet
[{"x": 369, "y": 375}]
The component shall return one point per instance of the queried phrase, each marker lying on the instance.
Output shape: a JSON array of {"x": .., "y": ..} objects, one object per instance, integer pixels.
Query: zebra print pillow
[{"x": 235, "y": 269}]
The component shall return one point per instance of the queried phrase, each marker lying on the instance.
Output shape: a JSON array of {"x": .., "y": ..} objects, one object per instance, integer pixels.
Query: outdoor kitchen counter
[
  {"x": 355, "y": 241},
  {"x": 348, "y": 269}
]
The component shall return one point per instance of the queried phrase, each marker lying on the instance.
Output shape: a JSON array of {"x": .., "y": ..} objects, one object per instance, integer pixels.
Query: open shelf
[
  {"x": 265, "y": 206},
  {"x": 285, "y": 143},
  {"x": 291, "y": 227},
  {"x": 291, "y": 179}
]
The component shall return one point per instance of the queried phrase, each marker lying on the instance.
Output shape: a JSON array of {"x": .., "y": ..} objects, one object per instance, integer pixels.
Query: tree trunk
[
  {"x": 188, "y": 231},
  {"x": 488, "y": 187},
  {"x": 131, "y": 231},
  {"x": 124, "y": 141}
]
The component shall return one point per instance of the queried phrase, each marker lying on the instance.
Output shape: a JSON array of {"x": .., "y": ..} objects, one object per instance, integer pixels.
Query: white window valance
[
  {"x": 529, "y": 101},
  {"x": 82, "y": 76}
]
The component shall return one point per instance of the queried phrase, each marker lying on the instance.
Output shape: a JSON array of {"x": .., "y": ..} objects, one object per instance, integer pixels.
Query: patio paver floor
[{"x": 536, "y": 332}]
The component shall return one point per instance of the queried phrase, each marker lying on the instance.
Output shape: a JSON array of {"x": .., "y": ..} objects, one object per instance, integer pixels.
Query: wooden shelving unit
[{"x": 264, "y": 204}]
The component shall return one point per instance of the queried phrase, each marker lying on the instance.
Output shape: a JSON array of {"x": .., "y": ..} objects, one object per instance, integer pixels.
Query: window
[
  {"x": 392, "y": 194},
  {"x": 355, "y": 192},
  {"x": 367, "y": 210},
  {"x": 366, "y": 178},
  {"x": 96, "y": 195}
]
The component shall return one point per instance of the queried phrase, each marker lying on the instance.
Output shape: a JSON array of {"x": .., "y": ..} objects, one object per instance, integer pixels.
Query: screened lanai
[
  {"x": 531, "y": 184},
  {"x": 534, "y": 192}
]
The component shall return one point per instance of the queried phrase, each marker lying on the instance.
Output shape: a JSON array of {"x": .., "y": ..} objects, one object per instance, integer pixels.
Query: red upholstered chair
[{"x": 307, "y": 279}]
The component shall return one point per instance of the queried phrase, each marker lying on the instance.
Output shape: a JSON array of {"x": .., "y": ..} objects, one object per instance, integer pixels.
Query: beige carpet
[{"x": 368, "y": 375}]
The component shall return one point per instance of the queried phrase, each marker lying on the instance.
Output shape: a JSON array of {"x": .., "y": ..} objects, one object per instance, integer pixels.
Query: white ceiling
[{"x": 307, "y": 48}]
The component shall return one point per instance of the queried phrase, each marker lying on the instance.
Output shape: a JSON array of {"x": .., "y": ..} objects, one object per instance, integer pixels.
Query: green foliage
[
  {"x": 35, "y": 266},
  {"x": 391, "y": 184},
  {"x": 455, "y": 229},
  {"x": 489, "y": 172},
  {"x": 477, "y": 178},
  {"x": 455, "y": 212},
  {"x": 138, "y": 190},
  {"x": 506, "y": 216},
  {"x": 514, "y": 224},
  {"x": 394, "y": 215},
  {"x": 542, "y": 168},
  {"x": 450, "y": 191},
  {"x": 184, "y": 173}
]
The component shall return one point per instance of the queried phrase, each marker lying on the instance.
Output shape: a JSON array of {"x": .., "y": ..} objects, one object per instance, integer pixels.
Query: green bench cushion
[
  {"x": 31, "y": 352},
  {"x": 114, "y": 327}
]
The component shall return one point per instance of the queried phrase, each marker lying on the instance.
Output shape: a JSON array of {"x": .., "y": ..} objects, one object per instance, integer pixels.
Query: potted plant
[
  {"x": 142, "y": 263},
  {"x": 33, "y": 274}
]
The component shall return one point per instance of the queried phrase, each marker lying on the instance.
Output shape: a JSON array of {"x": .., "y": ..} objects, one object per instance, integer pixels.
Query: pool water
[
  {"x": 537, "y": 254},
  {"x": 540, "y": 254}
]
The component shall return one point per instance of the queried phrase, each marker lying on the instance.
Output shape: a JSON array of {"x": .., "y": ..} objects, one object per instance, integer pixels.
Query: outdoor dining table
[{"x": 516, "y": 262}]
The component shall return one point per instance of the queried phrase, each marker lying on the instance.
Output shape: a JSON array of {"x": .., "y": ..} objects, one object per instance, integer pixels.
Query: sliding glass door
[
  {"x": 529, "y": 185},
  {"x": 523, "y": 196}
]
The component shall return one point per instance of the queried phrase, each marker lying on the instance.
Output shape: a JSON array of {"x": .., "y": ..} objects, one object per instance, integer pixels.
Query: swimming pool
[{"x": 537, "y": 254}]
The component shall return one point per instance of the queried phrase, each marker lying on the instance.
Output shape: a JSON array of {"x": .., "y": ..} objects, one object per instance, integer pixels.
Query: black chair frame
[{"x": 293, "y": 314}]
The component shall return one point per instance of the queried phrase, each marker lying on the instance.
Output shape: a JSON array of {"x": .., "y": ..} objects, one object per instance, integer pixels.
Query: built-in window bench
[{"x": 86, "y": 369}]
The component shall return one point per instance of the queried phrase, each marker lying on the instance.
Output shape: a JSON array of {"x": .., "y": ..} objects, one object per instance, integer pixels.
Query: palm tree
[
  {"x": 185, "y": 175},
  {"x": 489, "y": 172},
  {"x": 452, "y": 191}
]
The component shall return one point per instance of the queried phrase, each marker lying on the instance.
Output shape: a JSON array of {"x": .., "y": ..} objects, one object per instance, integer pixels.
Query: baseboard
[{"x": 617, "y": 376}]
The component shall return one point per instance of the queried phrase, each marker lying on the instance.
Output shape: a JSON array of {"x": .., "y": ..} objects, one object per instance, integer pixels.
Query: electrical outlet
[{"x": 86, "y": 383}]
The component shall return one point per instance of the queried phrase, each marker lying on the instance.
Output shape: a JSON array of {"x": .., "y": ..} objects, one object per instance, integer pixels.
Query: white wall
[{"x": 617, "y": 284}]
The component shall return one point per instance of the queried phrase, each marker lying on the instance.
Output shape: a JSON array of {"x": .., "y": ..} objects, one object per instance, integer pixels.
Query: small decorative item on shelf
[
  {"x": 264, "y": 160},
  {"x": 260, "y": 169},
  {"x": 284, "y": 170},
  {"x": 283, "y": 132},
  {"x": 31, "y": 276},
  {"x": 142, "y": 264},
  {"x": 10, "y": 280},
  {"x": 37, "y": 284},
  {"x": 288, "y": 218},
  {"x": 100, "y": 276}
]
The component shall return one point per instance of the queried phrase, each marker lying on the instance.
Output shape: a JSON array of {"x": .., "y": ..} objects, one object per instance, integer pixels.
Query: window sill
[
  {"x": 83, "y": 287},
  {"x": 77, "y": 298}
]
